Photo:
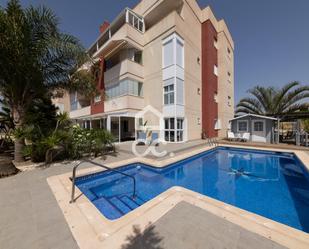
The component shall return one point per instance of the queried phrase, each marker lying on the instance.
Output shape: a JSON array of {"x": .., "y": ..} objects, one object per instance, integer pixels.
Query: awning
[
  {"x": 105, "y": 115},
  {"x": 108, "y": 49}
]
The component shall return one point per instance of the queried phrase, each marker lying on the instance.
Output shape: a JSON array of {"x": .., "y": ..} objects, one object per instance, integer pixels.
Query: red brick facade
[
  {"x": 98, "y": 107},
  {"x": 209, "y": 80}
]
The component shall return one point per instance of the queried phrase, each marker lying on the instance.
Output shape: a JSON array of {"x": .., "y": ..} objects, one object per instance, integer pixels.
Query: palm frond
[
  {"x": 270, "y": 101},
  {"x": 251, "y": 105}
]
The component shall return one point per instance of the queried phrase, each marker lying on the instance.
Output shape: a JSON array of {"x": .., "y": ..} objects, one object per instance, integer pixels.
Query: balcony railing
[
  {"x": 124, "y": 102},
  {"x": 126, "y": 16},
  {"x": 125, "y": 66},
  {"x": 80, "y": 112}
]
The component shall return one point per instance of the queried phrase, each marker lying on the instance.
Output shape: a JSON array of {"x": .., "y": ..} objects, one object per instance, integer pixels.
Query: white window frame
[
  {"x": 115, "y": 91},
  {"x": 217, "y": 125},
  {"x": 239, "y": 121},
  {"x": 169, "y": 93},
  {"x": 175, "y": 129},
  {"x": 216, "y": 70},
  {"x": 262, "y": 121},
  {"x": 174, "y": 38}
]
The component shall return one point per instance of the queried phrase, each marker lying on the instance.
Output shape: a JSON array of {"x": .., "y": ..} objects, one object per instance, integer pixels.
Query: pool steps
[{"x": 117, "y": 206}]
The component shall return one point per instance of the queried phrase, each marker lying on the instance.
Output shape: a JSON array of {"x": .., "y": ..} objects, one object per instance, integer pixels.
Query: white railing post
[{"x": 127, "y": 16}]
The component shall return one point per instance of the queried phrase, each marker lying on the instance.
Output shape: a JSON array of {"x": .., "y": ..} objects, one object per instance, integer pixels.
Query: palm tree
[
  {"x": 35, "y": 58},
  {"x": 289, "y": 99}
]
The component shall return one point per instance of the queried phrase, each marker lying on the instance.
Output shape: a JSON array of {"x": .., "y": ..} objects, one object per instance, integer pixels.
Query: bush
[
  {"x": 63, "y": 140},
  {"x": 89, "y": 142}
]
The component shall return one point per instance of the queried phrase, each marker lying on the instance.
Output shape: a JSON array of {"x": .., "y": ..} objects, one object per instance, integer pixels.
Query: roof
[{"x": 254, "y": 115}]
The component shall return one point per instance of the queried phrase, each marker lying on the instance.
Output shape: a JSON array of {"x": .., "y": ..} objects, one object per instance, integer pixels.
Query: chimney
[{"x": 104, "y": 26}]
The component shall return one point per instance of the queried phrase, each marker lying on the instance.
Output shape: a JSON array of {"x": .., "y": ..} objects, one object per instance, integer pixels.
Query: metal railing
[
  {"x": 102, "y": 166},
  {"x": 212, "y": 141}
]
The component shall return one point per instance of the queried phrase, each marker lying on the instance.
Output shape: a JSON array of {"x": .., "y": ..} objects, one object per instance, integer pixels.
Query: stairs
[{"x": 116, "y": 206}]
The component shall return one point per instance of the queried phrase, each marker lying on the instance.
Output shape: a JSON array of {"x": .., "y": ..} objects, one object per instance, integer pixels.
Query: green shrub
[{"x": 89, "y": 142}]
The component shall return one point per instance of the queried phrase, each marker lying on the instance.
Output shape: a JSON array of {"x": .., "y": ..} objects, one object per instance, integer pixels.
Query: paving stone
[
  {"x": 30, "y": 218},
  {"x": 190, "y": 227}
]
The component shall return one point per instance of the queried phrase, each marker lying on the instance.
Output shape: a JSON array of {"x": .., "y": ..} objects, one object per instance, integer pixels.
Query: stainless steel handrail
[
  {"x": 102, "y": 166},
  {"x": 212, "y": 141}
]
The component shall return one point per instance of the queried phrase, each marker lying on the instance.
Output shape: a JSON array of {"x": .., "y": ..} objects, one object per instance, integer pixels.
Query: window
[
  {"x": 74, "y": 101},
  {"x": 229, "y": 103},
  {"x": 258, "y": 126},
  {"x": 173, "y": 51},
  {"x": 135, "y": 21},
  {"x": 216, "y": 42},
  {"x": 216, "y": 70},
  {"x": 125, "y": 125},
  {"x": 179, "y": 130},
  {"x": 216, "y": 97},
  {"x": 173, "y": 132},
  {"x": 125, "y": 87},
  {"x": 97, "y": 98},
  {"x": 138, "y": 57},
  {"x": 179, "y": 92},
  {"x": 140, "y": 122},
  {"x": 228, "y": 50},
  {"x": 168, "y": 54},
  {"x": 140, "y": 89},
  {"x": 173, "y": 54},
  {"x": 169, "y": 95},
  {"x": 242, "y": 126},
  {"x": 217, "y": 124},
  {"x": 179, "y": 53}
]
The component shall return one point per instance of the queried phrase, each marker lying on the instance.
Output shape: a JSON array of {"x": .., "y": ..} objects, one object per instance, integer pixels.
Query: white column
[
  {"x": 185, "y": 130},
  {"x": 278, "y": 131},
  {"x": 127, "y": 16},
  {"x": 119, "y": 128},
  {"x": 161, "y": 134},
  {"x": 135, "y": 131},
  {"x": 108, "y": 123}
]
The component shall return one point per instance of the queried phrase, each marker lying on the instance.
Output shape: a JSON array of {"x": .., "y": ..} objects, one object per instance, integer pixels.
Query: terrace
[{"x": 185, "y": 214}]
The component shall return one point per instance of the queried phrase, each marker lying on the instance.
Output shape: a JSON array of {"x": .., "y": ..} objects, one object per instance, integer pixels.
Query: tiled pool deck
[{"x": 30, "y": 217}]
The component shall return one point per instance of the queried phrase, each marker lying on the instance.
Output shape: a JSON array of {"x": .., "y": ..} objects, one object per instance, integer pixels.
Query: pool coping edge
[{"x": 91, "y": 229}]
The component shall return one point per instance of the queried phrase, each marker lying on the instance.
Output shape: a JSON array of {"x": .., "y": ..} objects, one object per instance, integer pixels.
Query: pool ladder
[
  {"x": 212, "y": 142},
  {"x": 102, "y": 166}
]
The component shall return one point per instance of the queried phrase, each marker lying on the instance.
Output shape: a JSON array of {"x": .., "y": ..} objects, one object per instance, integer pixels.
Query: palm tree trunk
[
  {"x": 18, "y": 150},
  {"x": 18, "y": 142}
]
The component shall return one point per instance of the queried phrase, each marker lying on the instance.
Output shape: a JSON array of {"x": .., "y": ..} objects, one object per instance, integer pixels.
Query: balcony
[
  {"x": 122, "y": 68},
  {"x": 123, "y": 103},
  {"x": 76, "y": 114},
  {"x": 128, "y": 26}
]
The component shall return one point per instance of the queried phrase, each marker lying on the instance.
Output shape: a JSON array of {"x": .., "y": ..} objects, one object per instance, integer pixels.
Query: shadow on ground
[{"x": 148, "y": 238}]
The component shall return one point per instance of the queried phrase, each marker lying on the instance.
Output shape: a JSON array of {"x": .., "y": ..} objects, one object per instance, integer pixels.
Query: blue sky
[{"x": 271, "y": 36}]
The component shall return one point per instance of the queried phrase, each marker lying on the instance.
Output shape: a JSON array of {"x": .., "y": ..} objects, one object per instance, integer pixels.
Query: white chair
[
  {"x": 245, "y": 137},
  {"x": 231, "y": 136}
]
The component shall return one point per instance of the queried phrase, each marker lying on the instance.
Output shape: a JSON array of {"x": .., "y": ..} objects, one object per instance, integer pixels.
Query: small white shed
[{"x": 261, "y": 128}]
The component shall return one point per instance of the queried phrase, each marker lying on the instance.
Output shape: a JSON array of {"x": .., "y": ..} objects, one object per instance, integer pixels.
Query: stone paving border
[{"x": 92, "y": 230}]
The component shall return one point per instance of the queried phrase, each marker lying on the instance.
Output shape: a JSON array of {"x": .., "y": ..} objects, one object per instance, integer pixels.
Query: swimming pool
[{"x": 272, "y": 184}]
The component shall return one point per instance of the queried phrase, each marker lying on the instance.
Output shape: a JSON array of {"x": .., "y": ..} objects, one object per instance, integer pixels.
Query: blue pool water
[{"x": 274, "y": 185}]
